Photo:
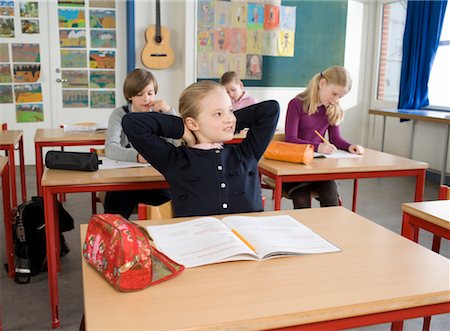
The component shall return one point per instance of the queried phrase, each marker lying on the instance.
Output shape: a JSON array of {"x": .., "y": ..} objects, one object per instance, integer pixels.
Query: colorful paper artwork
[
  {"x": 270, "y": 43},
  {"x": 286, "y": 43},
  {"x": 75, "y": 98},
  {"x": 71, "y": 3},
  {"x": 75, "y": 78},
  {"x": 29, "y": 9},
  {"x": 103, "y": 99},
  {"x": 28, "y": 93},
  {"x": 73, "y": 58},
  {"x": 102, "y": 59},
  {"x": 239, "y": 40},
  {"x": 255, "y": 16},
  {"x": 255, "y": 41},
  {"x": 26, "y": 73},
  {"x": 71, "y": 18},
  {"x": 254, "y": 66},
  {"x": 103, "y": 38},
  {"x": 5, "y": 73},
  {"x": 102, "y": 79},
  {"x": 6, "y": 95},
  {"x": 31, "y": 112},
  {"x": 222, "y": 14},
  {"x": 30, "y": 26},
  {"x": 72, "y": 38},
  {"x": 102, "y": 19},
  {"x": 102, "y": 3},
  {"x": 221, "y": 39},
  {"x": 205, "y": 38},
  {"x": 7, "y": 8},
  {"x": 4, "y": 53},
  {"x": 239, "y": 14},
  {"x": 238, "y": 64},
  {"x": 204, "y": 65},
  {"x": 271, "y": 17},
  {"x": 287, "y": 18},
  {"x": 205, "y": 13},
  {"x": 220, "y": 64},
  {"x": 6, "y": 27},
  {"x": 25, "y": 53}
]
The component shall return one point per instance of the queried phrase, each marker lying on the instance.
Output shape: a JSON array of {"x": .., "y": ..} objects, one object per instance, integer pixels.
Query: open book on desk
[
  {"x": 339, "y": 154},
  {"x": 85, "y": 127},
  {"x": 209, "y": 240},
  {"x": 108, "y": 163}
]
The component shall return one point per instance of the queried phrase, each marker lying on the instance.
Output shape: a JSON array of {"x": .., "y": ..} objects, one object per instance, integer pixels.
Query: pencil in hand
[{"x": 321, "y": 137}]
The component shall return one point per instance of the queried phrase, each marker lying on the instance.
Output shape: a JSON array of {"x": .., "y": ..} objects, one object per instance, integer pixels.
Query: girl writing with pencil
[
  {"x": 310, "y": 115},
  {"x": 206, "y": 176}
]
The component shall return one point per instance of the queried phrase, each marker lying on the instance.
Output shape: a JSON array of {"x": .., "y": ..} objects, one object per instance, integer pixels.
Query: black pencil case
[{"x": 83, "y": 161}]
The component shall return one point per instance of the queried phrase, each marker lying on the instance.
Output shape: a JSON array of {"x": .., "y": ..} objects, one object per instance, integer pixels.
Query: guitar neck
[{"x": 158, "y": 19}]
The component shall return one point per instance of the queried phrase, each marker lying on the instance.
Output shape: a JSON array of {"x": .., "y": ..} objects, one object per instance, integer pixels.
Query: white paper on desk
[
  {"x": 339, "y": 154},
  {"x": 108, "y": 163},
  {"x": 85, "y": 128}
]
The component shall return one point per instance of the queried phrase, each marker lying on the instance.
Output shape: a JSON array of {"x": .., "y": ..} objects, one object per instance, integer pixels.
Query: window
[{"x": 440, "y": 72}]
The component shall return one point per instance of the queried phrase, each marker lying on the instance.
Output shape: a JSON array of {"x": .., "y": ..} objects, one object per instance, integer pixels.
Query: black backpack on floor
[{"x": 30, "y": 255}]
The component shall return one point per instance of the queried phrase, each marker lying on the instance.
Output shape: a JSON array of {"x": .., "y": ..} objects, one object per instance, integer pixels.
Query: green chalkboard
[{"x": 319, "y": 44}]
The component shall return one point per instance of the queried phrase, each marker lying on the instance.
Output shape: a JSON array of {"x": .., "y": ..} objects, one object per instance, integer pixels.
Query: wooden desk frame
[{"x": 52, "y": 227}]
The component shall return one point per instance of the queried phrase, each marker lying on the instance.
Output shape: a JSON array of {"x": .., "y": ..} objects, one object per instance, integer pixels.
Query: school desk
[
  {"x": 8, "y": 140},
  {"x": 59, "y": 138},
  {"x": 4, "y": 173},
  {"x": 430, "y": 116},
  {"x": 372, "y": 280},
  {"x": 372, "y": 164},
  {"x": 66, "y": 181},
  {"x": 433, "y": 216}
]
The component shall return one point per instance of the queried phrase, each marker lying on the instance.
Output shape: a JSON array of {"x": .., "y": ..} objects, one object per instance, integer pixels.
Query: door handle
[{"x": 61, "y": 80}]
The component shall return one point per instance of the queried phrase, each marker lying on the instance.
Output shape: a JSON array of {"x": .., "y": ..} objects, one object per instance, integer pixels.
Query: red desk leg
[
  {"x": 39, "y": 167},
  {"x": 7, "y": 221},
  {"x": 278, "y": 191},
  {"x": 12, "y": 173},
  {"x": 50, "y": 237},
  {"x": 355, "y": 194},
  {"x": 23, "y": 179},
  {"x": 420, "y": 185}
]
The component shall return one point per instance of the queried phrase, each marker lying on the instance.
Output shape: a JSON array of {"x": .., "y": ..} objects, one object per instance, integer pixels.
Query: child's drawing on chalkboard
[
  {"x": 255, "y": 16},
  {"x": 220, "y": 64},
  {"x": 222, "y": 14},
  {"x": 254, "y": 66},
  {"x": 204, "y": 65},
  {"x": 270, "y": 43},
  {"x": 287, "y": 18},
  {"x": 286, "y": 43},
  {"x": 255, "y": 41},
  {"x": 239, "y": 38},
  {"x": 271, "y": 17},
  {"x": 221, "y": 39},
  {"x": 205, "y": 13},
  {"x": 237, "y": 64},
  {"x": 238, "y": 14}
]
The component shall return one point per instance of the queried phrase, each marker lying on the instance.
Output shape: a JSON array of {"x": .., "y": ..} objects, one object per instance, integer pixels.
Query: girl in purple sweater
[{"x": 317, "y": 108}]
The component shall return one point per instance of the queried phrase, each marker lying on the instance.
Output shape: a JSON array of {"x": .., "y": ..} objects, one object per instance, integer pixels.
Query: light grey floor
[{"x": 26, "y": 307}]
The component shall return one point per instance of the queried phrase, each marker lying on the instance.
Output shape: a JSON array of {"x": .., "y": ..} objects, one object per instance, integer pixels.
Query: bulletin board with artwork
[{"x": 270, "y": 43}]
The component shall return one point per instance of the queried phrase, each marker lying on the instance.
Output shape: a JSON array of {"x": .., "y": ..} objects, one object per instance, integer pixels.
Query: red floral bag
[{"x": 122, "y": 253}]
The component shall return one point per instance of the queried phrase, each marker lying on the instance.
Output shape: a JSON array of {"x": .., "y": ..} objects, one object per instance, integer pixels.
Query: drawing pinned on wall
[
  {"x": 6, "y": 95},
  {"x": 5, "y": 73},
  {"x": 71, "y": 18},
  {"x": 71, "y": 3},
  {"x": 75, "y": 78},
  {"x": 25, "y": 53},
  {"x": 102, "y": 3},
  {"x": 30, "y": 112},
  {"x": 26, "y": 73},
  {"x": 286, "y": 43},
  {"x": 205, "y": 38},
  {"x": 29, "y": 9},
  {"x": 71, "y": 58},
  {"x": 238, "y": 64},
  {"x": 221, "y": 39},
  {"x": 239, "y": 40},
  {"x": 6, "y": 27},
  {"x": 7, "y": 8},
  {"x": 255, "y": 41},
  {"x": 287, "y": 18},
  {"x": 28, "y": 93},
  {"x": 221, "y": 14},
  {"x": 102, "y": 59},
  {"x": 254, "y": 66},
  {"x": 255, "y": 16},
  {"x": 72, "y": 38},
  {"x": 102, "y": 19},
  {"x": 102, "y": 79},
  {"x": 30, "y": 26},
  {"x": 4, "y": 52},
  {"x": 205, "y": 13},
  {"x": 270, "y": 43},
  {"x": 103, "y": 38},
  {"x": 238, "y": 14},
  {"x": 204, "y": 65},
  {"x": 220, "y": 64},
  {"x": 271, "y": 17},
  {"x": 103, "y": 99},
  {"x": 75, "y": 98}
]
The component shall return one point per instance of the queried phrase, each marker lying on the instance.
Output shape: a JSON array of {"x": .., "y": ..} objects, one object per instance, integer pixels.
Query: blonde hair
[
  {"x": 191, "y": 97},
  {"x": 229, "y": 77},
  {"x": 336, "y": 75}
]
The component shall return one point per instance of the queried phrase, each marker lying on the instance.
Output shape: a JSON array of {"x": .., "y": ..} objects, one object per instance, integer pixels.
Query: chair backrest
[
  {"x": 148, "y": 212},
  {"x": 444, "y": 192},
  {"x": 4, "y": 126}
]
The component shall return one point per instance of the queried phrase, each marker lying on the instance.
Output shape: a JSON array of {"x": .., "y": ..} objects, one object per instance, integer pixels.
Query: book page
[
  {"x": 339, "y": 154},
  {"x": 274, "y": 236},
  {"x": 108, "y": 163},
  {"x": 85, "y": 127},
  {"x": 198, "y": 242}
]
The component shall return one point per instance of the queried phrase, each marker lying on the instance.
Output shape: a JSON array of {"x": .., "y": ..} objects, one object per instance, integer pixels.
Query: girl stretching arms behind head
[{"x": 207, "y": 177}]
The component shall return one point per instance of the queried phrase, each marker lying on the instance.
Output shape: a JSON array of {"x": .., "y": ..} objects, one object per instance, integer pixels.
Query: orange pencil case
[{"x": 290, "y": 152}]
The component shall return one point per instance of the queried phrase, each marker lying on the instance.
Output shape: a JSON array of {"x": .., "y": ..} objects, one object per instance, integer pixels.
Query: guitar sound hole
[{"x": 158, "y": 39}]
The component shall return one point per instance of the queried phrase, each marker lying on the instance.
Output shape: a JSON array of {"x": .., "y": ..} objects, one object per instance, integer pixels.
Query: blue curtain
[{"x": 423, "y": 28}]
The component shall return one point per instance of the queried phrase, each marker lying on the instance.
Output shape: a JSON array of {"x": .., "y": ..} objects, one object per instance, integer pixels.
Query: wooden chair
[{"x": 149, "y": 212}]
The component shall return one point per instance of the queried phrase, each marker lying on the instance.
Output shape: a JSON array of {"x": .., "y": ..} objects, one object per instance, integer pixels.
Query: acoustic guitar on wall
[{"x": 157, "y": 53}]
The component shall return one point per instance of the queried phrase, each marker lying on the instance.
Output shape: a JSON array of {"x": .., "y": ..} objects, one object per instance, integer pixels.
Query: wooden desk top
[
  {"x": 10, "y": 137},
  {"x": 3, "y": 162},
  {"x": 437, "y": 212},
  {"x": 373, "y": 273},
  {"x": 54, "y": 177},
  {"x": 52, "y": 135},
  {"x": 414, "y": 114},
  {"x": 371, "y": 161}
]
